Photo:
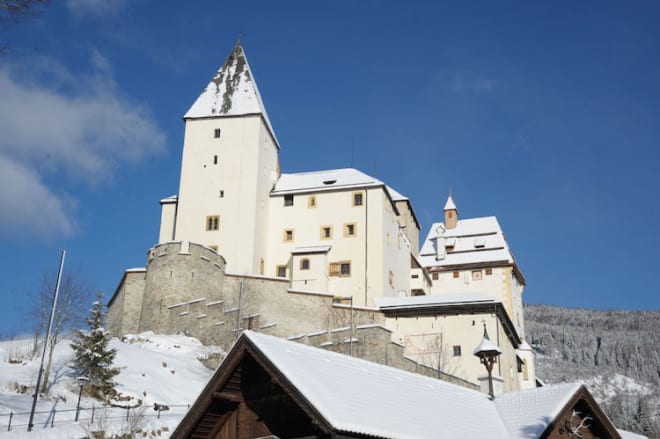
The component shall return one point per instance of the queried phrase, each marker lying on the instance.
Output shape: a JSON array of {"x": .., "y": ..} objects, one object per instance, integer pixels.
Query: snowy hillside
[
  {"x": 154, "y": 369},
  {"x": 615, "y": 353}
]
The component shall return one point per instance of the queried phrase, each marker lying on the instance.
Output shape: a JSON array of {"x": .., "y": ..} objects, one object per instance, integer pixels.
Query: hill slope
[
  {"x": 616, "y": 353},
  {"x": 154, "y": 369}
]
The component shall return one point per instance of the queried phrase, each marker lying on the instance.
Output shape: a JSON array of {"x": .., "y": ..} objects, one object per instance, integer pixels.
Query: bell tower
[
  {"x": 451, "y": 213},
  {"x": 230, "y": 163}
]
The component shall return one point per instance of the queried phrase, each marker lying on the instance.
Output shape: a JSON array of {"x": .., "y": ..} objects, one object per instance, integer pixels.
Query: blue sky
[{"x": 545, "y": 114}]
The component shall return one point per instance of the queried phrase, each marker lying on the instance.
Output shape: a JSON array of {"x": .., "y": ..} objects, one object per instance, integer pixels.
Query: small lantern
[{"x": 487, "y": 351}]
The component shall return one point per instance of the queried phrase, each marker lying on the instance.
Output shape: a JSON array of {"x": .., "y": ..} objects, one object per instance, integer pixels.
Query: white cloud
[
  {"x": 94, "y": 8},
  {"x": 29, "y": 206},
  {"x": 57, "y": 122}
]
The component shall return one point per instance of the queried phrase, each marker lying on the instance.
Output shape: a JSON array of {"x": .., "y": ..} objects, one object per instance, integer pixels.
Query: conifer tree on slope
[{"x": 93, "y": 359}]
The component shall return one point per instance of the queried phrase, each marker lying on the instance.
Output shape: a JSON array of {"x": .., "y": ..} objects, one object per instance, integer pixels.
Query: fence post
[
  {"x": 158, "y": 412},
  {"x": 52, "y": 420},
  {"x": 93, "y": 407},
  {"x": 127, "y": 410},
  {"x": 11, "y": 415}
]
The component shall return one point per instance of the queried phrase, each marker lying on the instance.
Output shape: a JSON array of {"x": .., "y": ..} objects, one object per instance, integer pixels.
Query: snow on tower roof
[
  {"x": 449, "y": 205},
  {"x": 472, "y": 241},
  {"x": 232, "y": 92}
]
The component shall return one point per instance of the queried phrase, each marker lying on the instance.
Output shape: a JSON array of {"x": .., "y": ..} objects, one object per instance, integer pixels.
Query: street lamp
[
  {"x": 487, "y": 351},
  {"x": 81, "y": 382}
]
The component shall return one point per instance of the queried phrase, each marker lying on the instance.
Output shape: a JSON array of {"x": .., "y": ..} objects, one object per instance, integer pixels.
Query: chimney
[{"x": 451, "y": 213}]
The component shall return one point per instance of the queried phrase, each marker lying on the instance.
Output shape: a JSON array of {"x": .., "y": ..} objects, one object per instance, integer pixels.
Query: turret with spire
[{"x": 451, "y": 213}]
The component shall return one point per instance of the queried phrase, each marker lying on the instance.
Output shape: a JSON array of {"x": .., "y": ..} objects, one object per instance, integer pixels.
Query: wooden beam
[{"x": 226, "y": 396}]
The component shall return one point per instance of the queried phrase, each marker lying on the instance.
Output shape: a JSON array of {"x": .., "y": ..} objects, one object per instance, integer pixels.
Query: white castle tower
[{"x": 230, "y": 164}]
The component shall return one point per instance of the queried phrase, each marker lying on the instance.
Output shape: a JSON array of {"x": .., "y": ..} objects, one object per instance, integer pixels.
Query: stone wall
[{"x": 184, "y": 289}]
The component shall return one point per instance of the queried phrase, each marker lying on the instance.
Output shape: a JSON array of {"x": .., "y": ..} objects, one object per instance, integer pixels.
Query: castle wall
[
  {"x": 178, "y": 272},
  {"x": 125, "y": 306}
]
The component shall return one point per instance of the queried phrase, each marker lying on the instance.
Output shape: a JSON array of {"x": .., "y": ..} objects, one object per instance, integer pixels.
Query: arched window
[{"x": 304, "y": 264}]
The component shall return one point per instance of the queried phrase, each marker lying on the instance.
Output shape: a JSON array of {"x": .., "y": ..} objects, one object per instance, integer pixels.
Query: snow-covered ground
[{"x": 163, "y": 369}]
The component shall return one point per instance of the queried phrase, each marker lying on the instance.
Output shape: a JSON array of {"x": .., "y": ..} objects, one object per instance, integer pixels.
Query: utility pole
[{"x": 50, "y": 326}]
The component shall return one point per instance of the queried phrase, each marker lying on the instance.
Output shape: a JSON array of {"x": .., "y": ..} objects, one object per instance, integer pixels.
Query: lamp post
[
  {"x": 487, "y": 351},
  {"x": 81, "y": 381}
]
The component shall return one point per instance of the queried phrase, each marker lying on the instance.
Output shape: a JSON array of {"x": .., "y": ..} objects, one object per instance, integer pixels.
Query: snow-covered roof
[
  {"x": 474, "y": 240},
  {"x": 449, "y": 205},
  {"x": 357, "y": 396},
  {"x": 232, "y": 92},
  {"x": 396, "y": 196},
  {"x": 486, "y": 345},
  {"x": 311, "y": 249},
  {"x": 527, "y": 413},
  {"x": 332, "y": 179},
  {"x": 170, "y": 199},
  {"x": 433, "y": 300}
]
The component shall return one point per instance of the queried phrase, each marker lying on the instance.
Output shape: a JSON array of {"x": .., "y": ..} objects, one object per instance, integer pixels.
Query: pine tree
[{"x": 93, "y": 359}]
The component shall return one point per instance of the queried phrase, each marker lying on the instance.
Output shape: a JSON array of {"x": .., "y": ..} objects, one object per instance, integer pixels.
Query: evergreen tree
[{"x": 93, "y": 359}]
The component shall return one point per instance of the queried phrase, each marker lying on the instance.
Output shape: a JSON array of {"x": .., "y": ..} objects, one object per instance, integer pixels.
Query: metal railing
[{"x": 13, "y": 421}]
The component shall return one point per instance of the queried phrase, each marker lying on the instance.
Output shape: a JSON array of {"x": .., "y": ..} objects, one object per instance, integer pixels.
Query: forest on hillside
[{"x": 616, "y": 353}]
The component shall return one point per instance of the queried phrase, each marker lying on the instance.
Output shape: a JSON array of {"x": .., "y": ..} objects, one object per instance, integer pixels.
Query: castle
[{"x": 328, "y": 258}]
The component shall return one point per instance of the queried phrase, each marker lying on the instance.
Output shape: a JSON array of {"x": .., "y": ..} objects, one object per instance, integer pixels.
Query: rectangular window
[
  {"x": 213, "y": 222},
  {"x": 215, "y": 159},
  {"x": 341, "y": 269},
  {"x": 311, "y": 201},
  {"x": 304, "y": 264},
  {"x": 288, "y": 200},
  {"x": 357, "y": 198},
  {"x": 221, "y": 194},
  {"x": 281, "y": 271},
  {"x": 435, "y": 276},
  {"x": 489, "y": 271},
  {"x": 326, "y": 232},
  {"x": 350, "y": 229},
  {"x": 457, "y": 350},
  {"x": 288, "y": 235},
  {"x": 455, "y": 274},
  {"x": 216, "y": 133}
]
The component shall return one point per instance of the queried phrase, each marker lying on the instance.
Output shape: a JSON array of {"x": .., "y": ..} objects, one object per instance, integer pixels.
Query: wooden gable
[
  {"x": 581, "y": 418},
  {"x": 245, "y": 399}
]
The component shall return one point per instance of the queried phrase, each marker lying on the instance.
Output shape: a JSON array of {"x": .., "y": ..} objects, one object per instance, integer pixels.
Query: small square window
[
  {"x": 326, "y": 232},
  {"x": 288, "y": 235},
  {"x": 455, "y": 274},
  {"x": 350, "y": 230},
  {"x": 476, "y": 275},
  {"x": 216, "y": 133},
  {"x": 281, "y": 271},
  {"x": 221, "y": 194},
  {"x": 311, "y": 201},
  {"x": 345, "y": 269},
  {"x": 489, "y": 271},
  {"x": 288, "y": 200},
  {"x": 213, "y": 222},
  {"x": 435, "y": 276},
  {"x": 304, "y": 264},
  {"x": 457, "y": 350},
  {"x": 357, "y": 199}
]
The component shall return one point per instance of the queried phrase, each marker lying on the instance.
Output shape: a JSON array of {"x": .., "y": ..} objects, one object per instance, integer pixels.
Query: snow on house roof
[
  {"x": 324, "y": 180},
  {"x": 232, "y": 92},
  {"x": 433, "y": 300},
  {"x": 310, "y": 249},
  {"x": 365, "y": 398},
  {"x": 475, "y": 240},
  {"x": 358, "y": 396},
  {"x": 396, "y": 196},
  {"x": 527, "y": 413}
]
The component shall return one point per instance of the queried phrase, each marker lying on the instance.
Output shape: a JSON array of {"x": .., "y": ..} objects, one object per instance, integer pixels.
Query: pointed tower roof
[
  {"x": 449, "y": 205},
  {"x": 232, "y": 92}
]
